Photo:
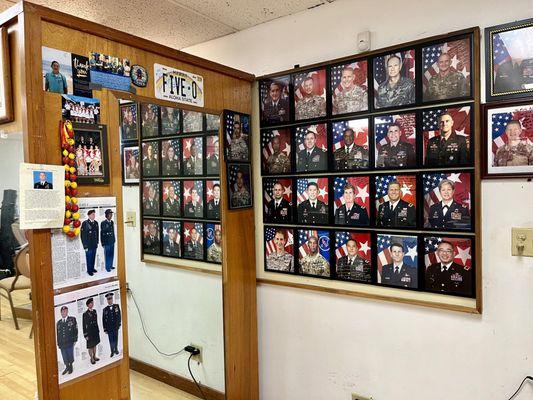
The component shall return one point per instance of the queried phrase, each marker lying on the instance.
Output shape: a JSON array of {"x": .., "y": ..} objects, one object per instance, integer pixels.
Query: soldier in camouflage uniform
[
  {"x": 194, "y": 249},
  {"x": 314, "y": 263},
  {"x": 214, "y": 252},
  {"x": 350, "y": 156},
  {"x": 351, "y": 98},
  {"x": 352, "y": 267},
  {"x": 149, "y": 123},
  {"x": 396, "y": 90},
  {"x": 447, "y": 84},
  {"x": 278, "y": 162},
  {"x": 448, "y": 148},
  {"x": 280, "y": 260},
  {"x": 241, "y": 197},
  {"x": 169, "y": 121},
  {"x": 238, "y": 148},
  {"x": 310, "y": 105},
  {"x": 396, "y": 153},
  {"x": 516, "y": 152}
]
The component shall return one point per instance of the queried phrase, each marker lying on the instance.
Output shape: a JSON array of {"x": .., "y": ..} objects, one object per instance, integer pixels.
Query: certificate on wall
[{"x": 178, "y": 86}]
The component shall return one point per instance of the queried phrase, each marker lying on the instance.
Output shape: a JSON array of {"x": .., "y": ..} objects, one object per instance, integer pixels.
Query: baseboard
[{"x": 174, "y": 380}]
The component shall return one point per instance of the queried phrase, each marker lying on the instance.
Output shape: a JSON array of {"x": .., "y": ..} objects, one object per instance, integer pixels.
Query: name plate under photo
[{"x": 178, "y": 86}]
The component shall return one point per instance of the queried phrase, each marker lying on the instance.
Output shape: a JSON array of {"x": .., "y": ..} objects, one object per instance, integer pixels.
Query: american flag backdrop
[
  {"x": 177, "y": 189},
  {"x": 268, "y": 187},
  {"x": 146, "y": 189},
  {"x": 500, "y": 117},
  {"x": 146, "y": 226},
  {"x": 232, "y": 173},
  {"x": 323, "y": 242},
  {"x": 407, "y": 187},
  {"x": 144, "y": 111},
  {"x": 319, "y": 79},
  {"x": 301, "y": 186},
  {"x": 172, "y": 224},
  {"x": 512, "y": 45},
  {"x": 132, "y": 108},
  {"x": 210, "y": 233},
  {"x": 155, "y": 149},
  {"x": 209, "y": 189},
  {"x": 362, "y": 188},
  {"x": 321, "y": 136},
  {"x": 270, "y": 247},
  {"x": 462, "y": 250},
  {"x": 360, "y": 129},
  {"x": 459, "y": 52},
  {"x": 363, "y": 240},
  {"x": 175, "y": 145},
  {"x": 264, "y": 88},
  {"x": 431, "y": 121},
  {"x": 432, "y": 195},
  {"x": 198, "y": 142},
  {"x": 211, "y": 146},
  {"x": 407, "y": 123},
  {"x": 410, "y": 249},
  {"x": 360, "y": 69},
  {"x": 188, "y": 227},
  {"x": 188, "y": 186},
  {"x": 380, "y": 67},
  {"x": 230, "y": 119},
  {"x": 266, "y": 143},
  {"x": 500, "y": 54},
  {"x": 131, "y": 152}
]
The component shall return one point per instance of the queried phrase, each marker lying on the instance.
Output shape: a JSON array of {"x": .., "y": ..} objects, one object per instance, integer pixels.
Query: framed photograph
[
  {"x": 274, "y": 97},
  {"x": 397, "y": 260},
  {"x": 311, "y": 143},
  {"x": 82, "y": 110},
  {"x": 212, "y": 122},
  {"x": 213, "y": 242},
  {"x": 277, "y": 200},
  {"x": 237, "y": 136},
  {"x": 193, "y": 199},
  {"x": 212, "y": 155},
  {"x": 350, "y": 144},
  {"x": 449, "y": 265},
  {"x": 447, "y": 136},
  {"x": 508, "y": 140},
  {"x": 170, "y": 157},
  {"x": 6, "y": 101},
  {"x": 212, "y": 199},
  {"x": 447, "y": 70},
  {"x": 395, "y": 201},
  {"x": 276, "y": 151},
  {"x": 279, "y": 250},
  {"x": 239, "y": 186},
  {"x": 131, "y": 166},
  {"x": 149, "y": 120},
  {"x": 509, "y": 55},
  {"x": 193, "y": 121},
  {"x": 170, "y": 121},
  {"x": 92, "y": 161},
  {"x": 395, "y": 137},
  {"x": 129, "y": 122},
  {"x": 193, "y": 240},
  {"x": 394, "y": 79},
  {"x": 309, "y": 94},
  {"x": 193, "y": 160},
  {"x": 172, "y": 199},
  {"x": 312, "y": 201},
  {"x": 150, "y": 158},
  {"x": 151, "y": 236},
  {"x": 353, "y": 256},
  {"x": 351, "y": 200},
  {"x": 172, "y": 239},
  {"x": 349, "y": 87},
  {"x": 314, "y": 257},
  {"x": 447, "y": 201},
  {"x": 150, "y": 198}
]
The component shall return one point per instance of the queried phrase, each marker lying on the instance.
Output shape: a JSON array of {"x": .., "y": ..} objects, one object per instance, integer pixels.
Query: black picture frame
[
  {"x": 245, "y": 200},
  {"x": 281, "y": 111},
  {"x": 97, "y": 134},
  {"x": 276, "y": 264},
  {"x": 149, "y": 125},
  {"x": 297, "y": 81},
  {"x": 191, "y": 252},
  {"x": 152, "y": 247},
  {"x": 130, "y": 132},
  {"x": 207, "y": 227},
  {"x": 336, "y": 87},
  {"x": 192, "y": 121},
  {"x": 241, "y": 153},
  {"x": 125, "y": 155},
  {"x": 323, "y": 236},
  {"x": 284, "y": 213},
  {"x": 282, "y": 162}
]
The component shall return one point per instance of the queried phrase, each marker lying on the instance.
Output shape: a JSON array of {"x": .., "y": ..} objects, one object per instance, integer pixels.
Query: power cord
[
  {"x": 193, "y": 378},
  {"x": 520, "y": 387}
]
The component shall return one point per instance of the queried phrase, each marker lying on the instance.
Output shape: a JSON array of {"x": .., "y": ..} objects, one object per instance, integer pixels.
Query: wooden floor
[{"x": 17, "y": 364}]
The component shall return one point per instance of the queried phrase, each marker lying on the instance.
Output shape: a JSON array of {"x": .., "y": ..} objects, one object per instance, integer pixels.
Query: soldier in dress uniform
[
  {"x": 351, "y": 213},
  {"x": 516, "y": 152},
  {"x": 310, "y": 105},
  {"x": 169, "y": 121},
  {"x": 171, "y": 206},
  {"x": 89, "y": 240},
  {"x": 508, "y": 77},
  {"x": 446, "y": 275},
  {"x": 129, "y": 127},
  {"x": 448, "y": 148},
  {"x": 311, "y": 158},
  {"x": 151, "y": 204},
  {"x": 193, "y": 164},
  {"x": 213, "y": 205},
  {"x": 447, "y": 83},
  {"x": 396, "y": 213},
  {"x": 396, "y": 153},
  {"x": 350, "y": 156},
  {"x": 213, "y": 163},
  {"x": 352, "y": 267},
  {"x": 67, "y": 335},
  {"x": 398, "y": 273},
  {"x": 111, "y": 321},
  {"x": 149, "y": 123},
  {"x": 238, "y": 148},
  {"x": 351, "y": 97},
  {"x": 194, "y": 208},
  {"x": 278, "y": 209},
  {"x": 151, "y": 240},
  {"x": 150, "y": 164},
  {"x": 278, "y": 162},
  {"x": 194, "y": 249},
  {"x": 447, "y": 213},
  {"x": 241, "y": 197},
  {"x": 396, "y": 90},
  {"x": 170, "y": 246},
  {"x": 314, "y": 263},
  {"x": 91, "y": 331},
  {"x": 42, "y": 184},
  {"x": 279, "y": 259},
  {"x": 275, "y": 108},
  {"x": 312, "y": 210},
  {"x": 214, "y": 252},
  {"x": 170, "y": 162},
  {"x": 107, "y": 238}
]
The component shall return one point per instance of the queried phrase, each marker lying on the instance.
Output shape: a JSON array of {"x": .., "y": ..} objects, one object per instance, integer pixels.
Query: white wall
[
  {"x": 317, "y": 346},
  {"x": 11, "y": 155}
]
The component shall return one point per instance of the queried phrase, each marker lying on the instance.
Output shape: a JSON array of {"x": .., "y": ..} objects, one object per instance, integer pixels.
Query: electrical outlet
[
  {"x": 199, "y": 357},
  {"x": 356, "y": 396}
]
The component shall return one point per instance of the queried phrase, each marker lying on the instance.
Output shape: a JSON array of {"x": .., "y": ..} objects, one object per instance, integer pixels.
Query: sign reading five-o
[{"x": 178, "y": 86}]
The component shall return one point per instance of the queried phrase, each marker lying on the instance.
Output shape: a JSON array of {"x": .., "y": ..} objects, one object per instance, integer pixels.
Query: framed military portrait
[
  {"x": 237, "y": 136},
  {"x": 129, "y": 122},
  {"x": 192, "y": 156},
  {"x": 239, "y": 186},
  {"x": 509, "y": 57},
  {"x": 172, "y": 198},
  {"x": 449, "y": 265},
  {"x": 394, "y": 79},
  {"x": 212, "y": 155},
  {"x": 351, "y": 205},
  {"x": 212, "y": 199},
  {"x": 193, "y": 240},
  {"x": 193, "y": 121},
  {"x": 170, "y": 121},
  {"x": 131, "y": 166},
  {"x": 353, "y": 256},
  {"x": 349, "y": 87},
  {"x": 447, "y": 70},
  {"x": 314, "y": 257},
  {"x": 212, "y": 122},
  {"x": 213, "y": 242},
  {"x": 395, "y": 201},
  {"x": 277, "y": 200},
  {"x": 91, "y": 159},
  {"x": 395, "y": 141},
  {"x": 274, "y": 97},
  {"x": 151, "y": 236},
  {"x": 350, "y": 144},
  {"x": 447, "y": 136},
  {"x": 309, "y": 94},
  {"x": 397, "y": 260},
  {"x": 193, "y": 199},
  {"x": 149, "y": 120},
  {"x": 279, "y": 249},
  {"x": 150, "y": 198},
  {"x": 312, "y": 201},
  {"x": 276, "y": 151},
  {"x": 150, "y": 158},
  {"x": 172, "y": 239},
  {"x": 311, "y": 142},
  {"x": 447, "y": 201},
  {"x": 170, "y": 157},
  {"x": 508, "y": 140}
]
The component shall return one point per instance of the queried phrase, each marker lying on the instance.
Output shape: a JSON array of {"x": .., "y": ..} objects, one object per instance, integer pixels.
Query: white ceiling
[{"x": 178, "y": 23}]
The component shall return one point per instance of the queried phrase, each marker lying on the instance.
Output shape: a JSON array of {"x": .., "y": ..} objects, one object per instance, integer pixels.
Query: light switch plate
[
  {"x": 522, "y": 242},
  {"x": 131, "y": 218},
  {"x": 356, "y": 396}
]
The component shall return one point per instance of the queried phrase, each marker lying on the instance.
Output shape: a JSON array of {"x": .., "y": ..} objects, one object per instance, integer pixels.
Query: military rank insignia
[{"x": 139, "y": 76}]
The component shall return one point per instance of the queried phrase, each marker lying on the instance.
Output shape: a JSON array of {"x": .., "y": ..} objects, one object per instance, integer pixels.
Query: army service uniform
[
  {"x": 214, "y": 253},
  {"x": 150, "y": 167},
  {"x": 401, "y": 155},
  {"x": 43, "y": 185},
  {"x": 194, "y": 210},
  {"x": 129, "y": 131},
  {"x": 350, "y": 158},
  {"x": 520, "y": 155},
  {"x": 276, "y": 112},
  {"x": 171, "y": 248},
  {"x": 354, "y": 269},
  {"x": 355, "y": 216},
  {"x": 213, "y": 210},
  {"x": 170, "y": 167},
  {"x": 441, "y": 152},
  {"x": 171, "y": 207},
  {"x": 67, "y": 335},
  {"x": 308, "y": 214},
  {"x": 107, "y": 238},
  {"x": 453, "y": 279},
  {"x": 89, "y": 239},
  {"x": 111, "y": 322},
  {"x": 352, "y": 100},
  {"x": 151, "y": 245},
  {"x": 405, "y": 276},
  {"x": 455, "y": 216},
  {"x": 310, "y": 107},
  {"x": 314, "y": 160},
  {"x": 149, "y": 128},
  {"x": 402, "y": 93},
  {"x": 280, "y": 262},
  {"x": 91, "y": 331},
  {"x": 151, "y": 207},
  {"x": 280, "y": 212},
  {"x": 402, "y": 216},
  {"x": 194, "y": 250},
  {"x": 449, "y": 86},
  {"x": 314, "y": 265},
  {"x": 278, "y": 163},
  {"x": 192, "y": 166}
]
